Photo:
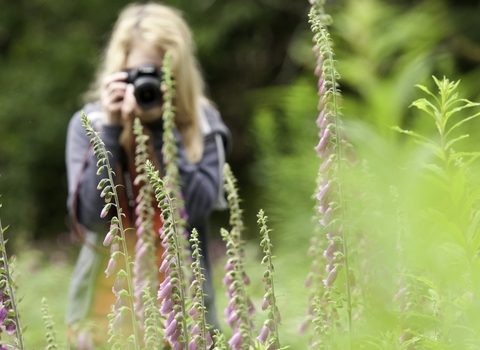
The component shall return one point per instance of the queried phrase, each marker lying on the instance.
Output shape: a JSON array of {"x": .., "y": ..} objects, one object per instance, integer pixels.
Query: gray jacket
[{"x": 201, "y": 185}]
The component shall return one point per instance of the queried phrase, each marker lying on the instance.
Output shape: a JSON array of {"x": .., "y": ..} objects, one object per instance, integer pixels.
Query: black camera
[{"x": 146, "y": 80}]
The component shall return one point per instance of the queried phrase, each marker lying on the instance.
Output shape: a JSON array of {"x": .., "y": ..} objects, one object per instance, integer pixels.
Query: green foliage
[
  {"x": 383, "y": 49},
  {"x": 49, "y": 52}
]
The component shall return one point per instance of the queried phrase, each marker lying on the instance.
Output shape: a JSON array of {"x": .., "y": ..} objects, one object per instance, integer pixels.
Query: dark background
[{"x": 49, "y": 50}]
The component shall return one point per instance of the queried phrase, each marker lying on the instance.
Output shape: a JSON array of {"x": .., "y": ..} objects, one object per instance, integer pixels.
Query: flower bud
[
  {"x": 112, "y": 263},
  {"x": 108, "y": 239},
  {"x": 332, "y": 276},
  {"x": 263, "y": 334}
]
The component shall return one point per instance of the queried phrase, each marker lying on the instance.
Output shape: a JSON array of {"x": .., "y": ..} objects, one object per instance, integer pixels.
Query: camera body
[{"x": 146, "y": 80}]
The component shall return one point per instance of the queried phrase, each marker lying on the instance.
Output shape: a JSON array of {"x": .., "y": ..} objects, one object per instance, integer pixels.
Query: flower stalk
[
  {"x": 240, "y": 308},
  {"x": 201, "y": 338},
  {"x": 269, "y": 333},
  {"x": 172, "y": 289},
  {"x": 116, "y": 233},
  {"x": 332, "y": 150},
  {"x": 49, "y": 326},
  {"x": 170, "y": 154},
  {"x": 151, "y": 337},
  {"x": 144, "y": 268}
]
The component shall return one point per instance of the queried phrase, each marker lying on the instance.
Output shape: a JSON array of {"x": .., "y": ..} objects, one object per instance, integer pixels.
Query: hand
[
  {"x": 119, "y": 103},
  {"x": 130, "y": 110},
  {"x": 113, "y": 92}
]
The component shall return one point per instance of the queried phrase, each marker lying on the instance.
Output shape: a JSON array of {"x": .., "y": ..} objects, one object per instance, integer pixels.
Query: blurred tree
[
  {"x": 49, "y": 51},
  {"x": 383, "y": 49}
]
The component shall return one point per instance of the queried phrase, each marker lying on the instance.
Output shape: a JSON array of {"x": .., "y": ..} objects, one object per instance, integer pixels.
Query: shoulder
[
  {"x": 93, "y": 112},
  {"x": 212, "y": 124}
]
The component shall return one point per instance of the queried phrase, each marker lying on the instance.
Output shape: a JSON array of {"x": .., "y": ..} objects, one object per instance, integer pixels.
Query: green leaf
[
  {"x": 426, "y": 106},
  {"x": 455, "y": 156},
  {"x": 448, "y": 226},
  {"x": 450, "y": 101},
  {"x": 425, "y": 89},
  {"x": 438, "y": 182},
  {"x": 414, "y": 134},
  {"x": 451, "y": 142},
  {"x": 437, "y": 170},
  {"x": 434, "y": 148},
  {"x": 425, "y": 280},
  {"x": 461, "y": 121}
]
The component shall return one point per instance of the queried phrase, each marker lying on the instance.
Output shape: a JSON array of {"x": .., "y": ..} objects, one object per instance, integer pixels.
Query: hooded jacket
[{"x": 201, "y": 187}]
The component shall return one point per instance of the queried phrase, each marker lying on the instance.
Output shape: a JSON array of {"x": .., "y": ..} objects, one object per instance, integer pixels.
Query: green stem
[
  {"x": 179, "y": 258},
  {"x": 199, "y": 290},
  {"x": 274, "y": 304},
  {"x": 343, "y": 206},
  {"x": 235, "y": 237},
  {"x": 124, "y": 243}
]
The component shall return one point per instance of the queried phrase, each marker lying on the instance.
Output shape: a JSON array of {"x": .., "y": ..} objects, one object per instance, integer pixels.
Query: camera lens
[{"x": 147, "y": 92}]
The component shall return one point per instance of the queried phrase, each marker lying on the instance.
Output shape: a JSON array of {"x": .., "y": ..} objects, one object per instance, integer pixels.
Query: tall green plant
[
  {"x": 450, "y": 216},
  {"x": 334, "y": 295}
]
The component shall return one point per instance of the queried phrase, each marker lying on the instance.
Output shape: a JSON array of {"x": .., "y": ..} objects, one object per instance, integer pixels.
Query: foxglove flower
[
  {"x": 144, "y": 268},
  {"x": 201, "y": 338},
  {"x": 115, "y": 236},
  {"x": 240, "y": 308},
  {"x": 269, "y": 332},
  {"x": 262, "y": 338},
  {"x": 84, "y": 341},
  {"x": 171, "y": 291},
  {"x": 331, "y": 150}
]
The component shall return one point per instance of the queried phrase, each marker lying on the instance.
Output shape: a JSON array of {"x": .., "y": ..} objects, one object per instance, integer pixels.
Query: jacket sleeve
[
  {"x": 200, "y": 182},
  {"x": 81, "y": 163}
]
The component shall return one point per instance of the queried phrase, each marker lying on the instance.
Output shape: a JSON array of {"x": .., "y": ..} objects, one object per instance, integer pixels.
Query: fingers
[
  {"x": 114, "y": 77},
  {"x": 129, "y": 107},
  {"x": 112, "y": 96},
  {"x": 113, "y": 91}
]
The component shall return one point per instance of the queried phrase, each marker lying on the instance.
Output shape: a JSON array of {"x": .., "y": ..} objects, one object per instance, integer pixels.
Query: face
[
  {"x": 142, "y": 54},
  {"x": 139, "y": 55}
]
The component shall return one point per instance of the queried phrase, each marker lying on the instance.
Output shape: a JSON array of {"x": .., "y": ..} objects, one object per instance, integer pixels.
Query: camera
[{"x": 146, "y": 80}]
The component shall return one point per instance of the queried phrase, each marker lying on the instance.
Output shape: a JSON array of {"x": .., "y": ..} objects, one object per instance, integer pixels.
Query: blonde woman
[{"x": 142, "y": 35}]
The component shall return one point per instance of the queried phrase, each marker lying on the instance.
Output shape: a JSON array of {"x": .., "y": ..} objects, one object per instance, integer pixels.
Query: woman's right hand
[{"x": 113, "y": 92}]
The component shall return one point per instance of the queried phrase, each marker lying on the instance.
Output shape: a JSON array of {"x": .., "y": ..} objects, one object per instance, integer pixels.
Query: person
[{"x": 141, "y": 36}]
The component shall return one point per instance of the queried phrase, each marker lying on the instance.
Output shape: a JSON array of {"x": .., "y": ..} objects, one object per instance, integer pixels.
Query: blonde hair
[{"x": 164, "y": 29}]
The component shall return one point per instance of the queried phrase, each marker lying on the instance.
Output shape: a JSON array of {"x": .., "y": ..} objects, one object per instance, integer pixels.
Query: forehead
[{"x": 141, "y": 54}]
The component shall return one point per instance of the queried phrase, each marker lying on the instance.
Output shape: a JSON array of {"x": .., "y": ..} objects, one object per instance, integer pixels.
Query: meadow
[{"x": 374, "y": 221}]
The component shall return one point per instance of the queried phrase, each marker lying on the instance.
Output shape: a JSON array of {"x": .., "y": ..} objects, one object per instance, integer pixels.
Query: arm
[{"x": 200, "y": 182}]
